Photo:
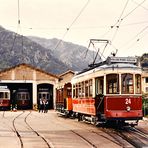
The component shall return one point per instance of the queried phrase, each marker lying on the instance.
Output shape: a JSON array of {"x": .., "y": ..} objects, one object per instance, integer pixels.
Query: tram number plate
[{"x": 127, "y": 101}]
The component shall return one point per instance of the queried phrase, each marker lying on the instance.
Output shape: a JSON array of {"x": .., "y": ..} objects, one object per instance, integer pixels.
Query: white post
[
  {"x": 104, "y": 84},
  {"x": 34, "y": 91}
]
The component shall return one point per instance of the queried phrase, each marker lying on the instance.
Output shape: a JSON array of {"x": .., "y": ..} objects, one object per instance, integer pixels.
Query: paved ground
[{"x": 31, "y": 129}]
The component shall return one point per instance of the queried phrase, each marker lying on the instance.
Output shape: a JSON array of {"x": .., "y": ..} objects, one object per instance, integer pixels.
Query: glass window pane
[
  {"x": 1, "y": 95},
  {"x": 127, "y": 83},
  {"x": 86, "y": 88},
  {"x": 138, "y": 83},
  {"x": 112, "y": 84}
]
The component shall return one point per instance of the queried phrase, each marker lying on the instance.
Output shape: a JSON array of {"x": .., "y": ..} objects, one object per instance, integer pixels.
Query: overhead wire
[
  {"x": 133, "y": 9},
  {"x": 18, "y": 25},
  {"x": 67, "y": 29},
  {"x": 117, "y": 25},
  {"x": 125, "y": 44},
  {"x": 140, "y": 5},
  {"x": 119, "y": 21}
]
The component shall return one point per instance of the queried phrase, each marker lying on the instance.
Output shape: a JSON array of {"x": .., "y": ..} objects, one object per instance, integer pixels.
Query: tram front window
[
  {"x": 1, "y": 95},
  {"x": 112, "y": 84},
  {"x": 127, "y": 83},
  {"x": 6, "y": 95}
]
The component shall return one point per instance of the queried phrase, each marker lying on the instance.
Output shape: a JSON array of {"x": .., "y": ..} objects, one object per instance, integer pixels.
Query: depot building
[{"x": 24, "y": 77}]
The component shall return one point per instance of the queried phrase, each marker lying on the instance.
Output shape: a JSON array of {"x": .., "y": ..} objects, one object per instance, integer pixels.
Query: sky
[{"x": 123, "y": 22}]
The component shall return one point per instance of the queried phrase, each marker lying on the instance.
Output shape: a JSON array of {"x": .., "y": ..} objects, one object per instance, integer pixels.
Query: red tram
[
  {"x": 22, "y": 98},
  {"x": 110, "y": 91},
  {"x": 4, "y": 97},
  {"x": 63, "y": 99}
]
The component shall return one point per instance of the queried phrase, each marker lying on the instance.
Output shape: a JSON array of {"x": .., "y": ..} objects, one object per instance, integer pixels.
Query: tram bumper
[{"x": 124, "y": 115}]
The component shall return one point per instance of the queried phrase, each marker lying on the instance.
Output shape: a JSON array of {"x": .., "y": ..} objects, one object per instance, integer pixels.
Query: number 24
[{"x": 127, "y": 101}]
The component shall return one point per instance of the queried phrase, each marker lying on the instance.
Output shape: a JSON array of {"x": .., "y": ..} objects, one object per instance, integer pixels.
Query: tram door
[
  {"x": 99, "y": 85},
  {"x": 99, "y": 89}
]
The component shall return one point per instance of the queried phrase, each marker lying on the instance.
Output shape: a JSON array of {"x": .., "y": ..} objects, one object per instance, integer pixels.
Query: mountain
[
  {"x": 16, "y": 49},
  {"x": 42, "y": 53},
  {"x": 74, "y": 56}
]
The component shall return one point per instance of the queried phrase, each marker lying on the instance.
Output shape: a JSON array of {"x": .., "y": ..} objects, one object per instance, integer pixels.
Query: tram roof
[{"x": 108, "y": 66}]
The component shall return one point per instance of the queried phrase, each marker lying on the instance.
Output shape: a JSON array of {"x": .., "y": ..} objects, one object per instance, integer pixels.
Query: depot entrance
[
  {"x": 45, "y": 91},
  {"x": 20, "y": 95}
]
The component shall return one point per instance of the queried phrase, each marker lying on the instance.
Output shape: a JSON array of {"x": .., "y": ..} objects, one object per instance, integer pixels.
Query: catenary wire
[
  {"x": 125, "y": 44},
  {"x": 67, "y": 29},
  {"x": 140, "y": 5},
  {"x": 119, "y": 21}
]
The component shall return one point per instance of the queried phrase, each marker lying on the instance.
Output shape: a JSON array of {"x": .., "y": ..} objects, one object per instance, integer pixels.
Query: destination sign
[
  {"x": 122, "y": 59},
  {"x": 3, "y": 87}
]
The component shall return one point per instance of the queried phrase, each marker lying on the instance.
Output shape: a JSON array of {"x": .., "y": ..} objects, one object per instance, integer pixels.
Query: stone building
[{"x": 34, "y": 79}]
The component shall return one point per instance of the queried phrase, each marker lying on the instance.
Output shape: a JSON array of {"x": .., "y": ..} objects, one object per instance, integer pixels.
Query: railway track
[
  {"x": 96, "y": 131},
  {"x": 134, "y": 136},
  {"x": 125, "y": 137},
  {"x": 18, "y": 133},
  {"x": 49, "y": 146}
]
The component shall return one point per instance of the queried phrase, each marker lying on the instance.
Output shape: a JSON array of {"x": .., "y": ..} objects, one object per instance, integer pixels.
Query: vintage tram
[
  {"x": 64, "y": 100},
  {"x": 109, "y": 91},
  {"x": 4, "y": 97},
  {"x": 22, "y": 98}
]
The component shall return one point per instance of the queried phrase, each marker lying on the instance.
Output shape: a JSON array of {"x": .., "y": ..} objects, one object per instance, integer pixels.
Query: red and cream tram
[
  {"x": 4, "y": 97},
  {"x": 110, "y": 91}
]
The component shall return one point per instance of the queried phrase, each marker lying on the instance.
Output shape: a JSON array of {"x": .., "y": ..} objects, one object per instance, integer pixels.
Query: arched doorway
[{"x": 45, "y": 90}]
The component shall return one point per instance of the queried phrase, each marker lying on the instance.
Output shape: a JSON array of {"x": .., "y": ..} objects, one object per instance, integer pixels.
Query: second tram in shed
[{"x": 22, "y": 98}]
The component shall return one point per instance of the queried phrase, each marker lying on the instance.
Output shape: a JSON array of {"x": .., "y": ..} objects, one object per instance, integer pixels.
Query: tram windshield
[
  {"x": 127, "y": 83},
  {"x": 112, "y": 83},
  {"x": 23, "y": 96},
  {"x": 4, "y": 95}
]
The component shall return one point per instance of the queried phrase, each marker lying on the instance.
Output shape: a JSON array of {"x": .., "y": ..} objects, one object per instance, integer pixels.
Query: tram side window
[
  {"x": 86, "y": 88},
  {"x": 68, "y": 91},
  {"x": 127, "y": 83},
  {"x": 138, "y": 83},
  {"x": 112, "y": 83},
  {"x": 90, "y": 88},
  {"x": 74, "y": 91},
  {"x": 83, "y": 90},
  {"x": 77, "y": 90},
  {"x": 80, "y": 89}
]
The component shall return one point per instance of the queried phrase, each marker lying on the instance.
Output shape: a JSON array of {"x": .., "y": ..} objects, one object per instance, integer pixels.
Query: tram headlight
[{"x": 128, "y": 108}]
